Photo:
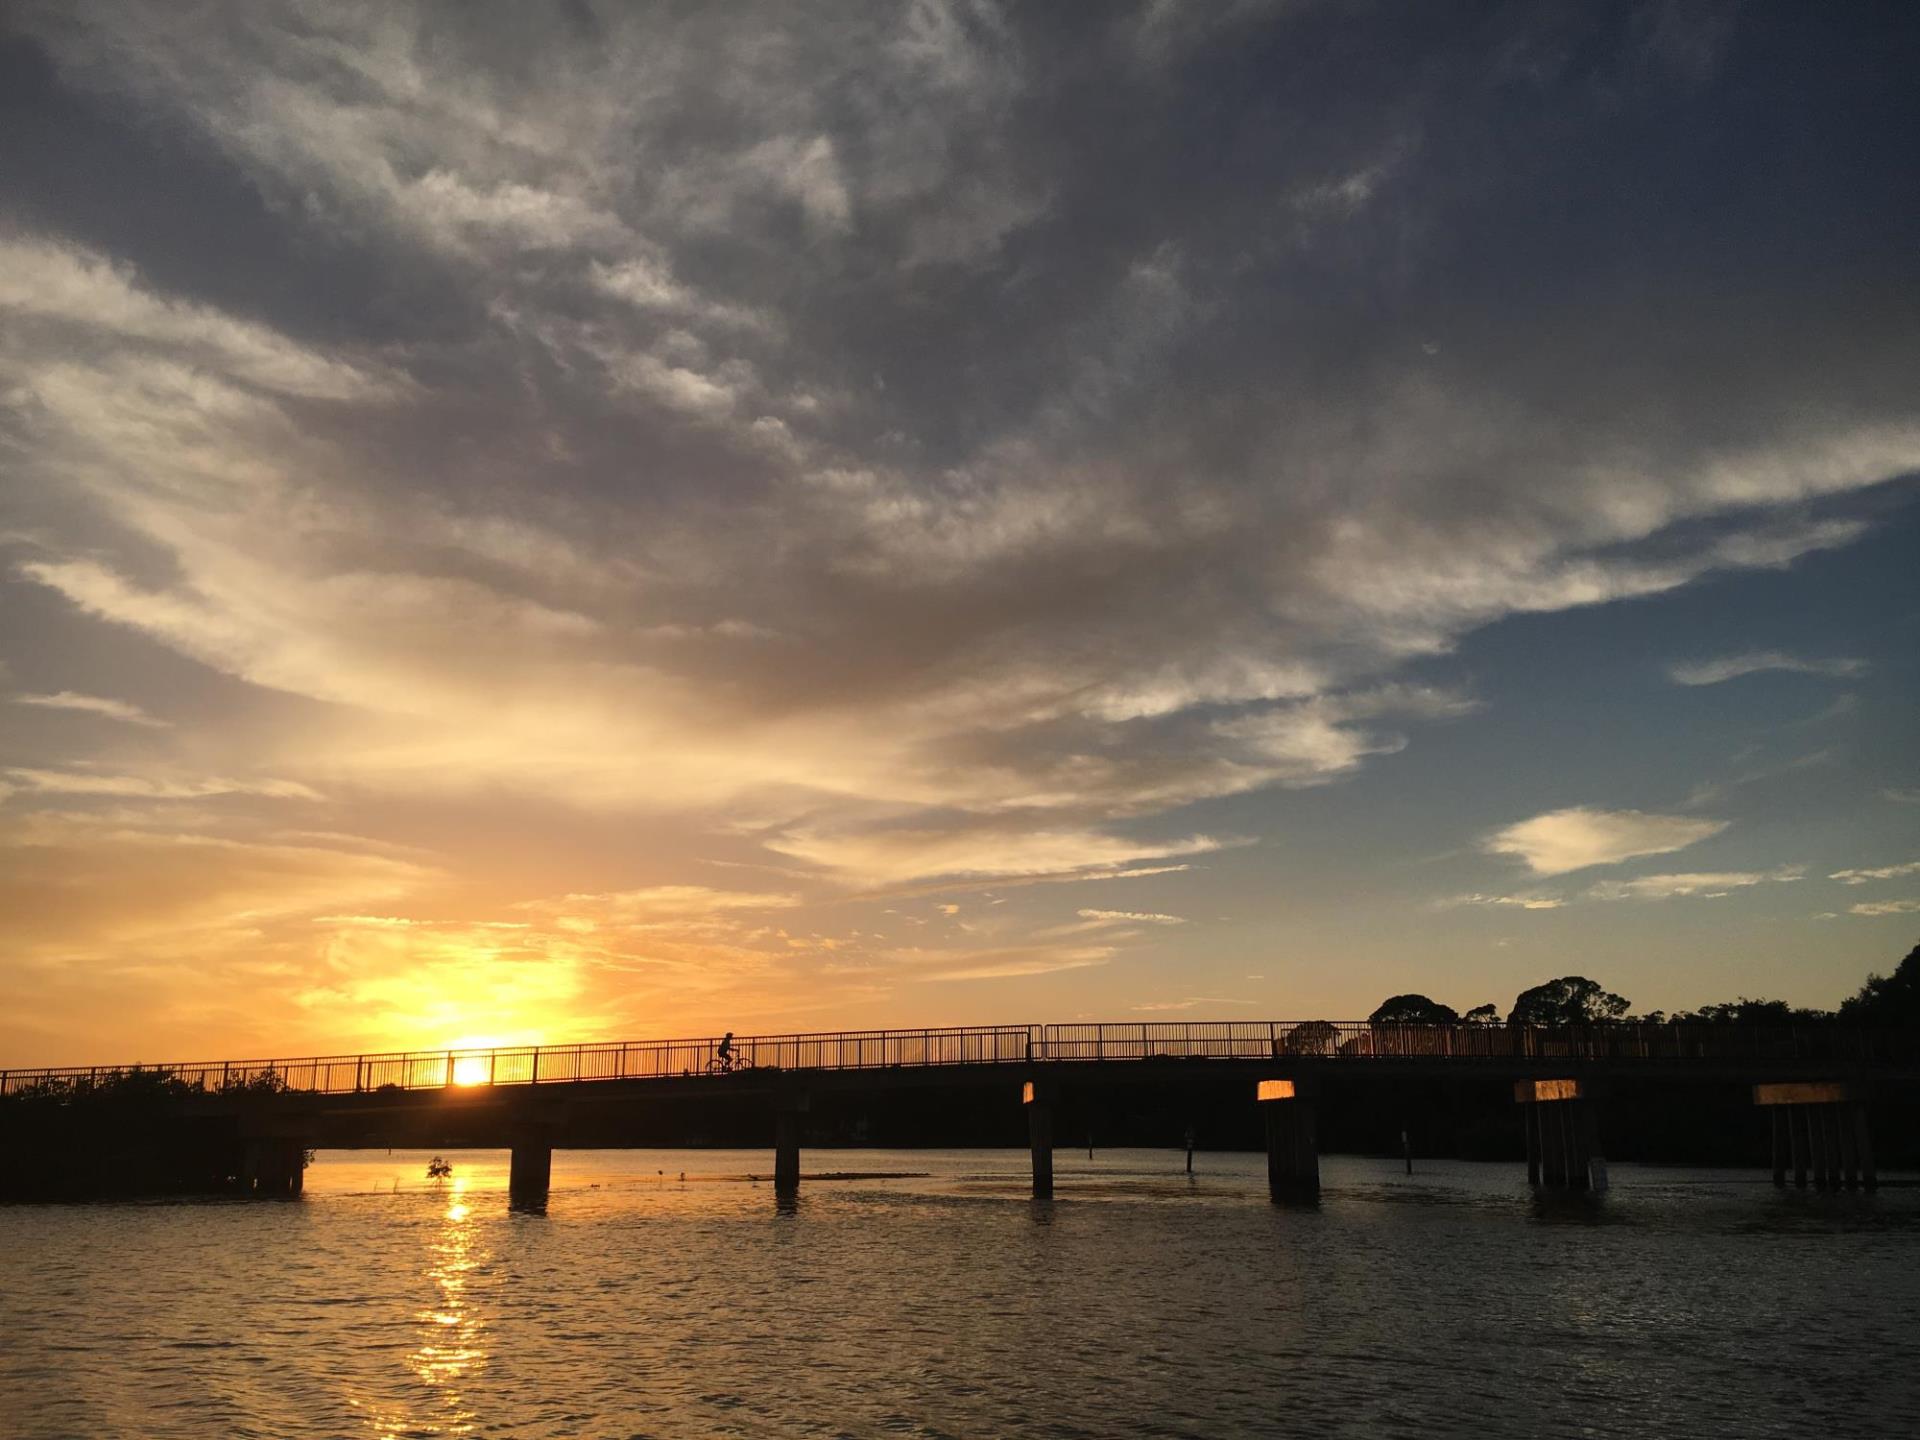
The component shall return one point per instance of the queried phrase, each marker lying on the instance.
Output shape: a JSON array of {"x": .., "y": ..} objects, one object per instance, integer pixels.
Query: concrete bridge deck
[{"x": 528, "y": 1099}]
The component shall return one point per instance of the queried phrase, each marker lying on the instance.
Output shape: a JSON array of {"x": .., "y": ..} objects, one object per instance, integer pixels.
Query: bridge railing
[
  {"x": 1333, "y": 1040},
  {"x": 566, "y": 1064},
  {"x": 1365, "y": 1039}
]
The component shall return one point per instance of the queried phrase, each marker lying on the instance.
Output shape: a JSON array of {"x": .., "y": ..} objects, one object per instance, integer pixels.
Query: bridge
[{"x": 1814, "y": 1080}]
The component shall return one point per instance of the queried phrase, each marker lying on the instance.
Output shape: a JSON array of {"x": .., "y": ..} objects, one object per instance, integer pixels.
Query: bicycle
[{"x": 729, "y": 1064}]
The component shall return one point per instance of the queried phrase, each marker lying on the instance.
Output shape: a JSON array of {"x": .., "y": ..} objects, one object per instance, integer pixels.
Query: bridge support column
[
  {"x": 1530, "y": 1125},
  {"x": 1596, "y": 1160},
  {"x": 1563, "y": 1135},
  {"x": 273, "y": 1167},
  {"x": 1038, "y": 1098},
  {"x": 1843, "y": 1124},
  {"x": 1826, "y": 1123},
  {"x": 530, "y": 1169},
  {"x": 1822, "y": 1125},
  {"x": 1293, "y": 1152},
  {"x": 788, "y": 1108},
  {"x": 1863, "y": 1145}
]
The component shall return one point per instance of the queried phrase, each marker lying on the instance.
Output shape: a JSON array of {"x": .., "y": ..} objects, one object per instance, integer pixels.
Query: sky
[{"x": 541, "y": 523}]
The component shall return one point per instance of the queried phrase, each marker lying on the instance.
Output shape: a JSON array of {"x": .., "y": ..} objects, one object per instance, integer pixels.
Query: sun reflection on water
[{"x": 451, "y": 1349}]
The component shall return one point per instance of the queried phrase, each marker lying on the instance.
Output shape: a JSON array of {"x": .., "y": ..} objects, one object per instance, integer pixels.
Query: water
[{"x": 942, "y": 1301}]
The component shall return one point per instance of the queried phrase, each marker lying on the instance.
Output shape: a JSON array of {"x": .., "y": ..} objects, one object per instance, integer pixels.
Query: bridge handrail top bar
[
  {"x": 1040, "y": 1039},
  {"x": 442, "y": 1051}
]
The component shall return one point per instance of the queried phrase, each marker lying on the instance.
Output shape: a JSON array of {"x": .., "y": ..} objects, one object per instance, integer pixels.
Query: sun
[{"x": 472, "y": 1070}]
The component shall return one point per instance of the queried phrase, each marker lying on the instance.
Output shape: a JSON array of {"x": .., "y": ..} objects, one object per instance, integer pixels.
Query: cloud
[
  {"x": 1519, "y": 902},
  {"x": 1109, "y": 923},
  {"x": 95, "y": 705},
  {"x": 1730, "y": 667},
  {"x": 896, "y": 855},
  {"x": 1580, "y": 836},
  {"x": 47, "y": 283},
  {"x": 1885, "y": 907},
  {"x": 761, "y": 435},
  {"x": 1884, "y": 872},
  {"x": 656, "y": 905},
  {"x": 1012, "y": 962},
  {"x": 1709, "y": 886},
  {"x": 162, "y": 896},
  {"x": 152, "y": 787}
]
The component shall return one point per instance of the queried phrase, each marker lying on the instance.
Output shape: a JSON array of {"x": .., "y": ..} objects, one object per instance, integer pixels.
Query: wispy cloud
[
  {"x": 153, "y": 786},
  {"x": 1885, "y": 907},
  {"x": 1751, "y": 662},
  {"x": 1012, "y": 962},
  {"x": 1581, "y": 836},
  {"x": 1517, "y": 902},
  {"x": 1711, "y": 885},
  {"x": 1883, "y": 872},
  {"x": 894, "y": 855},
  {"x": 1111, "y": 920},
  {"x": 121, "y": 710}
]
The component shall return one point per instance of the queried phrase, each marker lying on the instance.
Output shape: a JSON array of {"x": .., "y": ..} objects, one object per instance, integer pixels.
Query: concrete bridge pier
[
  {"x": 789, "y": 1107},
  {"x": 1293, "y": 1151},
  {"x": 1820, "y": 1127},
  {"x": 534, "y": 1126},
  {"x": 1037, "y": 1096},
  {"x": 1562, "y": 1125},
  {"x": 530, "y": 1168},
  {"x": 273, "y": 1166}
]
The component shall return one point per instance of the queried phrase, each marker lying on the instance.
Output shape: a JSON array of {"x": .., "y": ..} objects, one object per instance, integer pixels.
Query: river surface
[{"x": 668, "y": 1293}]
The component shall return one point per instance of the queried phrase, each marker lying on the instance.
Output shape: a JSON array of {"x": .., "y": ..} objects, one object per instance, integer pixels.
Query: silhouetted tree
[
  {"x": 1413, "y": 1010},
  {"x": 1888, "y": 999},
  {"x": 1570, "y": 1000},
  {"x": 1488, "y": 1014},
  {"x": 1311, "y": 1037},
  {"x": 1748, "y": 1012}
]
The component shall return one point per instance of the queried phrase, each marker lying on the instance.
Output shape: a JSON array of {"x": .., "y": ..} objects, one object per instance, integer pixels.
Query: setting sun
[{"x": 473, "y": 1070}]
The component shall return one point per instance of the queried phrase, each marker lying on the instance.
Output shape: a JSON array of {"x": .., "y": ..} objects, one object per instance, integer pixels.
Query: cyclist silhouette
[{"x": 725, "y": 1053}]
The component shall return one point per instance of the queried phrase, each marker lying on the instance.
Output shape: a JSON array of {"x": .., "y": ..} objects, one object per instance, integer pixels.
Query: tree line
[{"x": 1884, "y": 1000}]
